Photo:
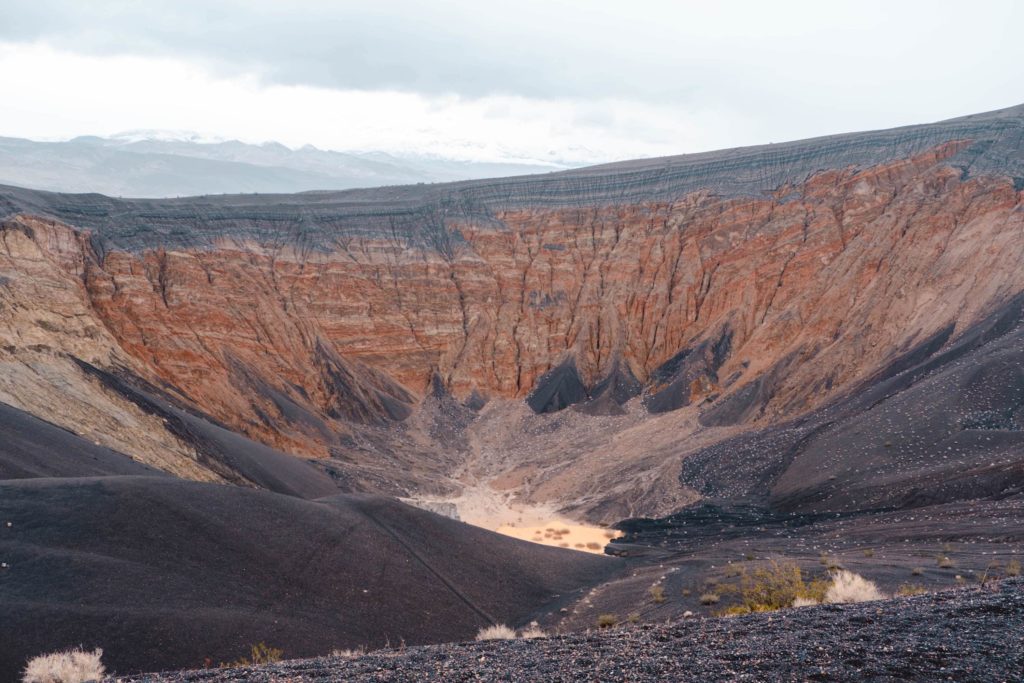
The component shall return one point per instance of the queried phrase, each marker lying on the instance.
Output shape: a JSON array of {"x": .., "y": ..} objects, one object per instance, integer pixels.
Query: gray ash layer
[{"x": 423, "y": 215}]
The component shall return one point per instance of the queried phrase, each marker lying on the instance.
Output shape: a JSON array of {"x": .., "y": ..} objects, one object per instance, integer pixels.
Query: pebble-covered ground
[{"x": 974, "y": 634}]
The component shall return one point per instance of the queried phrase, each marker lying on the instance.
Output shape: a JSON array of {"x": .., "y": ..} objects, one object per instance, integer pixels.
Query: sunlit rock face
[{"x": 742, "y": 288}]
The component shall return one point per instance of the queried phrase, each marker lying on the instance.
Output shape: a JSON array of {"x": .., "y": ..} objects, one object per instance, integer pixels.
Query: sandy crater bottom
[{"x": 485, "y": 507}]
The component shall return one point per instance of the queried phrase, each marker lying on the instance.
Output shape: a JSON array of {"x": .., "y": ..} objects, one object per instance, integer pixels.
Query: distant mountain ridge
[{"x": 160, "y": 164}]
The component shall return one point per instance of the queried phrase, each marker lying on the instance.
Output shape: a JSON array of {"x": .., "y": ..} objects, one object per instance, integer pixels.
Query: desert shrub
[
  {"x": 804, "y": 602},
  {"x": 592, "y": 545},
  {"x": 532, "y": 631},
  {"x": 495, "y": 632},
  {"x": 657, "y": 594},
  {"x": 633, "y": 617},
  {"x": 1013, "y": 567},
  {"x": 607, "y": 620},
  {"x": 917, "y": 571},
  {"x": 849, "y": 587},
  {"x": 944, "y": 562},
  {"x": 992, "y": 571},
  {"x": 687, "y": 592},
  {"x": 911, "y": 589},
  {"x": 69, "y": 666},
  {"x": 349, "y": 653},
  {"x": 868, "y": 552},
  {"x": 776, "y": 586},
  {"x": 260, "y": 653},
  {"x": 710, "y": 599}
]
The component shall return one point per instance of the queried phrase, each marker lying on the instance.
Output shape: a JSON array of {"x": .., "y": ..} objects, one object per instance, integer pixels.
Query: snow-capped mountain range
[{"x": 149, "y": 163}]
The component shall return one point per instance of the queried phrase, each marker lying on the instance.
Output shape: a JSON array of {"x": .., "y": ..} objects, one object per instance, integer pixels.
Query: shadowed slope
[
  {"x": 934, "y": 427},
  {"x": 744, "y": 287},
  {"x": 30, "y": 447},
  {"x": 235, "y": 457},
  {"x": 163, "y": 573}
]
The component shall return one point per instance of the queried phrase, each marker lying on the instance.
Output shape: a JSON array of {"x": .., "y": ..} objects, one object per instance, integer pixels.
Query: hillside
[
  {"x": 810, "y": 352},
  {"x": 728, "y": 291},
  {"x": 960, "y": 636}
]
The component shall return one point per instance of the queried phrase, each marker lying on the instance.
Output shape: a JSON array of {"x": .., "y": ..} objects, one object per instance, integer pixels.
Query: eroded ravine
[{"x": 669, "y": 321}]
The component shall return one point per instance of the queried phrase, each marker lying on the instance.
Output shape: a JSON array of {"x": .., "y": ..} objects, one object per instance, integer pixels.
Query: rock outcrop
[{"x": 743, "y": 287}]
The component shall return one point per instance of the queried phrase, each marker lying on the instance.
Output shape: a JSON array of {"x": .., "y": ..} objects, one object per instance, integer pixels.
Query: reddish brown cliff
[{"x": 749, "y": 308}]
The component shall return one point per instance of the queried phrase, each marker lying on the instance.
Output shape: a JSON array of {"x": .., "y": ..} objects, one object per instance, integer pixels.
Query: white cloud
[
  {"x": 62, "y": 93},
  {"x": 576, "y": 80}
]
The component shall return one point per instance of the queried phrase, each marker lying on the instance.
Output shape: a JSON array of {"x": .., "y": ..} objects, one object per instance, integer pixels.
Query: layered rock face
[{"x": 736, "y": 290}]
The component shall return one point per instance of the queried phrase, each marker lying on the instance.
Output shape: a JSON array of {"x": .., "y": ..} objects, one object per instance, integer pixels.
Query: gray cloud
[
  {"x": 746, "y": 71},
  {"x": 654, "y": 51}
]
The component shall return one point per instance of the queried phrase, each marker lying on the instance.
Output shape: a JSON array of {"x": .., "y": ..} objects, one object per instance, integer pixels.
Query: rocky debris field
[{"x": 972, "y": 634}]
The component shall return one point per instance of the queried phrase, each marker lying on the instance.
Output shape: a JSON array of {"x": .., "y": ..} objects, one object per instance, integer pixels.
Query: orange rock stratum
[{"x": 424, "y": 340}]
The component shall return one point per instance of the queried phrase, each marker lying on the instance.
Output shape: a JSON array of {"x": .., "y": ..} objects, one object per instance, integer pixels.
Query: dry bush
[
  {"x": 532, "y": 631},
  {"x": 710, "y": 599},
  {"x": 495, "y": 632},
  {"x": 849, "y": 587},
  {"x": 657, "y": 594},
  {"x": 607, "y": 620},
  {"x": 944, "y": 562},
  {"x": 773, "y": 587},
  {"x": 259, "y": 654},
  {"x": 917, "y": 571},
  {"x": 868, "y": 552},
  {"x": 911, "y": 589},
  {"x": 1013, "y": 567},
  {"x": 69, "y": 666},
  {"x": 804, "y": 602},
  {"x": 633, "y": 617},
  {"x": 349, "y": 653}
]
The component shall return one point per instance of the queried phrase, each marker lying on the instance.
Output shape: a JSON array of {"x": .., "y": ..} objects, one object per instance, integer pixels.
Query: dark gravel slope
[
  {"x": 235, "y": 457},
  {"x": 939, "y": 425},
  {"x": 163, "y": 573},
  {"x": 30, "y": 447},
  {"x": 964, "y": 635}
]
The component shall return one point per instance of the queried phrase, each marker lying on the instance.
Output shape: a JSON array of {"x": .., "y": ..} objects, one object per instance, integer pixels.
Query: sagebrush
[
  {"x": 69, "y": 666},
  {"x": 775, "y": 586},
  {"x": 532, "y": 631},
  {"x": 259, "y": 654},
  {"x": 849, "y": 587},
  {"x": 495, "y": 632}
]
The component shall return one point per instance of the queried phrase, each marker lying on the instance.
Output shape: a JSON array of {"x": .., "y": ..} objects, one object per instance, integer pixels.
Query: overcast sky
[{"x": 582, "y": 81}]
